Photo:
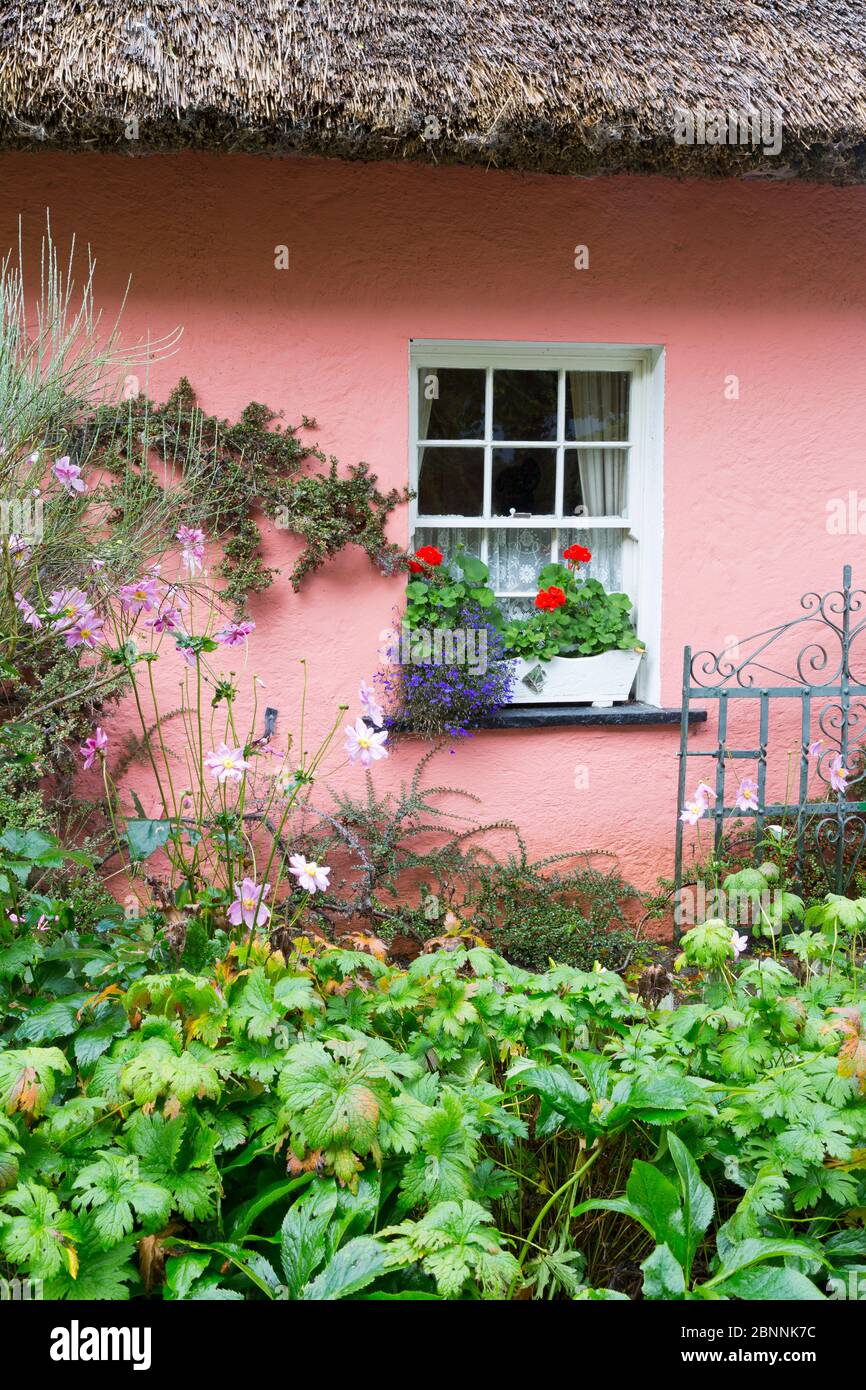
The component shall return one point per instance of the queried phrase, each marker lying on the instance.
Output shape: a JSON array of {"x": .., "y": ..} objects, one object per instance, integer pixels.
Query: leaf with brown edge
[
  {"x": 852, "y": 1053},
  {"x": 857, "y": 1159},
  {"x": 312, "y": 1162},
  {"x": 95, "y": 999},
  {"x": 347, "y": 1168},
  {"x": 846, "y": 1021},
  {"x": 27, "y": 1078},
  {"x": 152, "y": 1254},
  {"x": 852, "y": 1060},
  {"x": 365, "y": 941}
]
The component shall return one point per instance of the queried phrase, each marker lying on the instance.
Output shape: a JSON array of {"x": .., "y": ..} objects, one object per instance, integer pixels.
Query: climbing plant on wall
[{"x": 231, "y": 474}]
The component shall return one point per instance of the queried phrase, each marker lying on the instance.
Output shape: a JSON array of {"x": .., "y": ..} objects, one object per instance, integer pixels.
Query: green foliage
[
  {"x": 232, "y": 474},
  {"x": 317, "y": 1261},
  {"x": 417, "y": 869},
  {"x": 585, "y": 925},
  {"x": 709, "y": 945},
  {"x": 316, "y": 1123},
  {"x": 439, "y": 597},
  {"x": 590, "y": 621},
  {"x": 453, "y": 1244},
  {"x": 676, "y": 1212}
]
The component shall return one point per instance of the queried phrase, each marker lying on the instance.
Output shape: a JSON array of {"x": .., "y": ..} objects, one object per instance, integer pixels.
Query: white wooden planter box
[{"x": 597, "y": 680}]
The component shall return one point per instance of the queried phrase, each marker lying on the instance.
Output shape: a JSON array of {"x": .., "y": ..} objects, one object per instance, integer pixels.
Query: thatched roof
[{"x": 570, "y": 86}]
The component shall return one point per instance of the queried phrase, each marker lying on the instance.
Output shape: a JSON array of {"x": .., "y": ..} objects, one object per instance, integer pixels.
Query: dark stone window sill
[{"x": 558, "y": 716}]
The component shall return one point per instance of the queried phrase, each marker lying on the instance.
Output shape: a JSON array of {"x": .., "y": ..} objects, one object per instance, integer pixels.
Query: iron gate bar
[{"x": 841, "y": 721}]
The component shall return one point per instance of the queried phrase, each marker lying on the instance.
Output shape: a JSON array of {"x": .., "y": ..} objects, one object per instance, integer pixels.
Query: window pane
[
  {"x": 524, "y": 480},
  {"x": 594, "y": 482},
  {"x": 450, "y": 482},
  {"x": 515, "y": 557},
  {"x": 606, "y": 548},
  {"x": 524, "y": 405},
  {"x": 449, "y": 539},
  {"x": 450, "y": 403},
  {"x": 596, "y": 405}
]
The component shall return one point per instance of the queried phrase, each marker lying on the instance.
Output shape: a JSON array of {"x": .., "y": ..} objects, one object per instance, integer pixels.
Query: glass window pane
[
  {"x": 596, "y": 405},
  {"x": 594, "y": 482},
  {"x": 524, "y": 405},
  {"x": 606, "y": 549},
  {"x": 449, "y": 539},
  {"x": 515, "y": 557},
  {"x": 524, "y": 480},
  {"x": 450, "y": 482},
  {"x": 450, "y": 403}
]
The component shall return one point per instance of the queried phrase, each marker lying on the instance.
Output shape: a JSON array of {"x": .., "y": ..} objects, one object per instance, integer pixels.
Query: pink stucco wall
[{"x": 763, "y": 281}]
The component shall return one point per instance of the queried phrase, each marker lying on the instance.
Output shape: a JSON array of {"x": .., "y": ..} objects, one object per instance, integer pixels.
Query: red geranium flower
[
  {"x": 415, "y": 567},
  {"x": 577, "y": 554},
  {"x": 549, "y": 599},
  {"x": 430, "y": 555}
]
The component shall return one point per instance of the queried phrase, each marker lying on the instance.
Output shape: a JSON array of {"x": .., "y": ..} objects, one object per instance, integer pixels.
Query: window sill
[{"x": 635, "y": 713}]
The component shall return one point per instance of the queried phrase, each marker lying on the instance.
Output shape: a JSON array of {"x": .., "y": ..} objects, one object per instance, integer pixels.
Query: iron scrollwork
[{"x": 811, "y": 661}]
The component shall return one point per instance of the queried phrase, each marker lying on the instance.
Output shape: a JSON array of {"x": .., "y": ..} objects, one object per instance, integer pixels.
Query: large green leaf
[
  {"x": 15, "y": 959},
  {"x": 28, "y": 844},
  {"x": 769, "y": 1282},
  {"x": 41, "y": 1236},
  {"x": 755, "y": 1251},
  {"x": 182, "y": 1272},
  {"x": 562, "y": 1093},
  {"x": 254, "y": 1011},
  {"x": 353, "y": 1267},
  {"x": 90, "y": 1043},
  {"x": 101, "y": 1274},
  {"x": 254, "y": 1267},
  {"x": 303, "y": 1244},
  {"x": 32, "y": 847},
  {"x": 697, "y": 1198},
  {"x": 474, "y": 570},
  {"x": 658, "y": 1201},
  {"x": 617, "y": 1204},
  {"x": 663, "y": 1275},
  {"x": 245, "y": 1216},
  {"x": 661, "y": 1098},
  {"x": 55, "y": 1020},
  {"x": 27, "y": 1078},
  {"x": 115, "y": 1194},
  {"x": 145, "y": 837}
]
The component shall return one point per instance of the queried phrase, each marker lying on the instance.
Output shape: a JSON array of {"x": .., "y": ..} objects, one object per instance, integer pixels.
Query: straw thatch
[{"x": 569, "y": 86}]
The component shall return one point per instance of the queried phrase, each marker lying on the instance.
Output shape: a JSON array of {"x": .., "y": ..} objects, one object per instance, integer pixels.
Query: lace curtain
[
  {"x": 606, "y": 547},
  {"x": 516, "y": 556},
  {"x": 448, "y": 539}
]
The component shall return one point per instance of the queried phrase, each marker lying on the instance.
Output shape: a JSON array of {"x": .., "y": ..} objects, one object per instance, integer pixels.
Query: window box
[{"x": 573, "y": 680}]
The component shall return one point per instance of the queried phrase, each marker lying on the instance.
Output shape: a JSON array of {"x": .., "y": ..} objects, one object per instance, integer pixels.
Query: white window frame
[{"x": 643, "y": 520}]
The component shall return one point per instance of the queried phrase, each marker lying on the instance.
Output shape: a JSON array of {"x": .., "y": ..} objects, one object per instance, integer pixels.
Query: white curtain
[
  {"x": 606, "y": 548},
  {"x": 449, "y": 539},
  {"x": 515, "y": 557},
  {"x": 599, "y": 402}
]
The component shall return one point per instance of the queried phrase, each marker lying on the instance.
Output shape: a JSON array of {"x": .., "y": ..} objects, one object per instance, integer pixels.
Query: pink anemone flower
[{"x": 249, "y": 904}]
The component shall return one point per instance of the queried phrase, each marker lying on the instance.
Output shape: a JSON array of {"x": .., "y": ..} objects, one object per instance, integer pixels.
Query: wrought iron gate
[{"x": 814, "y": 656}]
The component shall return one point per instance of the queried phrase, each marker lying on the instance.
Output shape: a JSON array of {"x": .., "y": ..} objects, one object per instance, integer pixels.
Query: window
[{"x": 520, "y": 450}]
